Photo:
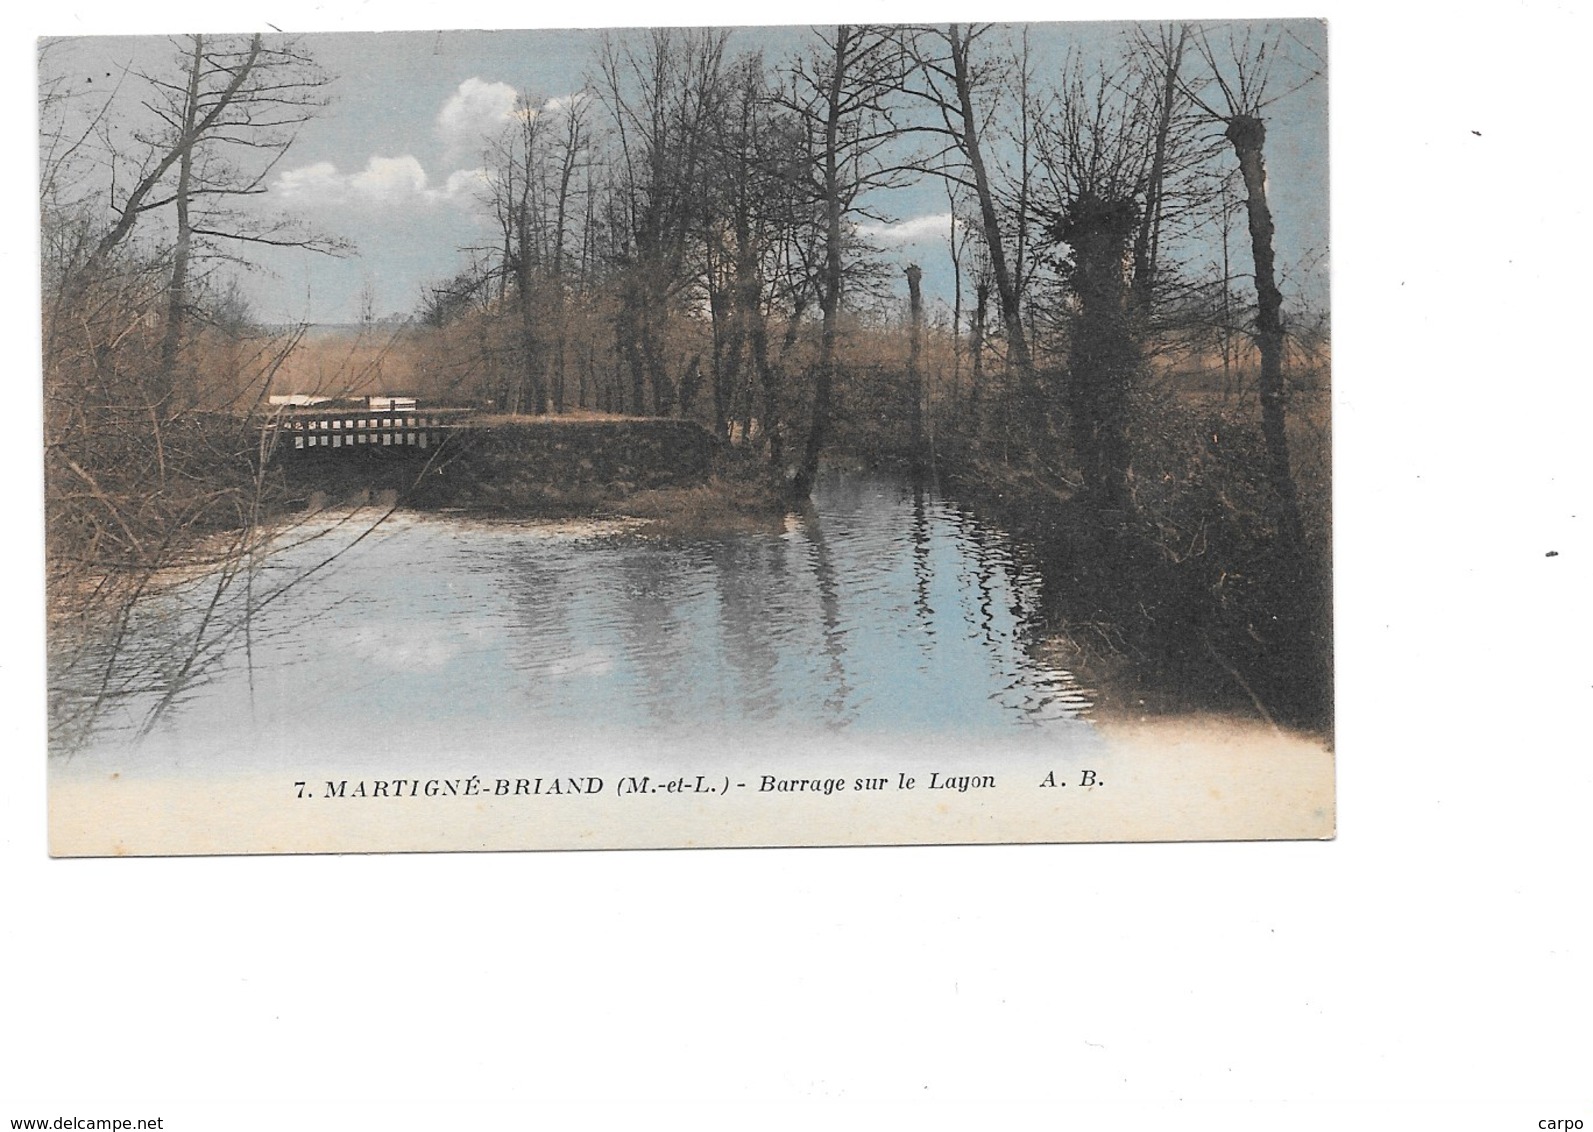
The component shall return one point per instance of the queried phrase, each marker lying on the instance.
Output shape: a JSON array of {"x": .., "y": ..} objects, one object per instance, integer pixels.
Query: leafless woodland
[{"x": 1116, "y": 371}]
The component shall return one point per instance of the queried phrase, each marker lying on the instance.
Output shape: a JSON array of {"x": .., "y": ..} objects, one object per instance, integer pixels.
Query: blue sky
[{"x": 391, "y": 164}]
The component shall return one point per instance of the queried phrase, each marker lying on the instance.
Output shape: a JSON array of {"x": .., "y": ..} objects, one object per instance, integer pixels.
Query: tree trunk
[
  {"x": 171, "y": 385},
  {"x": 724, "y": 343},
  {"x": 915, "y": 377},
  {"x": 830, "y": 287},
  {"x": 976, "y": 350},
  {"x": 1103, "y": 352},
  {"x": 1006, "y": 290},
  {"x": 690, "y": 380},
  {"x": 1248, "y": 136},
  {"x": 769, "y": 414},
  {"x": 956, "y": 321},
  {"x": 653, "y": 355},
  {"x": 771, "y": 376},
  {"x": 133, "y": 207},
  {"x": 626, "y": 333},
  {"x": 530, "y": 377},
  {"x": 1147, "y": 240}
]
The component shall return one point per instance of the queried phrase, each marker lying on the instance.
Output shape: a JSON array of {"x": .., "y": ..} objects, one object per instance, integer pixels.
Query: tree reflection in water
[{"x": 880, "y": 609}]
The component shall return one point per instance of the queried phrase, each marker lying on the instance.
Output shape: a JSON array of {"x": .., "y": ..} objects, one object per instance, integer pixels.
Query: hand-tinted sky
[{"x": 391, "y": 163}]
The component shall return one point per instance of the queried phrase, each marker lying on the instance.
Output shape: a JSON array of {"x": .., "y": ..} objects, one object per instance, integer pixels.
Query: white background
[{"x": 1430, "y": 968}]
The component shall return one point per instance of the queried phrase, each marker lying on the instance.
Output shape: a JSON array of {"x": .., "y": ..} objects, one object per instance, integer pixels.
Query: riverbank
[
  {"x": 1187, "y": 598},
  {"x": 1214, "y": 613}
]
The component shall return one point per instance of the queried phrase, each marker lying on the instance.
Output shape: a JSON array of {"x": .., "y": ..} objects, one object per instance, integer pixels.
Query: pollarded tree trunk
[
  {"x": 1103, "y": 351},
  {"x": 1248, "y": 135},
  {"x": 915, "y": 376}
]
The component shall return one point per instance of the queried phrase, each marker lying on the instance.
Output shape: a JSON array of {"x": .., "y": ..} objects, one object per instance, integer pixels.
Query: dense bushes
[{"x": 1190, "y": 595}]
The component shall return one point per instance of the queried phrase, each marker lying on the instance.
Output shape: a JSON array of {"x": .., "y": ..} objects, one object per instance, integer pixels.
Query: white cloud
[
  {"x": 310, "y": 182},
  {"x": 389, "y": 180},
  {"x": 392, "y": 182},
  {"x": 474, "y": 114},
  {"x": 463, "y": 184},
  {"x": 933, "y": 227}
]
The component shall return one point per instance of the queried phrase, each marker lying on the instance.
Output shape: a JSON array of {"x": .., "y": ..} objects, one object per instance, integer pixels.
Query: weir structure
[
  {"x": 355, "y": 429},
  {"x": 465, "y": 458}
]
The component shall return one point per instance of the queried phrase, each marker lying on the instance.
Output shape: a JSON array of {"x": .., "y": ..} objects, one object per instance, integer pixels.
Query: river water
[{"x": 881, "y": 613}]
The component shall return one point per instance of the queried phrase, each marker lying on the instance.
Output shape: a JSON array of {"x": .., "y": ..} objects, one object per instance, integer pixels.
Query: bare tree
[
  {"x": 573, "y": 157},
  {"x": 1097, "y": 155},
  {"x": 141, "y": 475},
  {"x": 1115, "y": 149},
  {"x": 949, "y": 75},
  {"x": 222, "y": 117},
  {"x": 841, "y": 90},
  {"x": 516, "y": 191},
  {"x": 661, "y": 96},
  {"x": 754, "y": 192},
  {"x": 1165, "y": 53},
  {"x": 1242, "y": 71}
]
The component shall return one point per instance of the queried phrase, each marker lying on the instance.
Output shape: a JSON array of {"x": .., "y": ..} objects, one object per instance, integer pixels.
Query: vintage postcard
[{"x": 687, "y": 437}]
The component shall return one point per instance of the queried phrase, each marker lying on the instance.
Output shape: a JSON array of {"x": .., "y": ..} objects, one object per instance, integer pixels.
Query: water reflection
[{"x": 879, "y": 609}]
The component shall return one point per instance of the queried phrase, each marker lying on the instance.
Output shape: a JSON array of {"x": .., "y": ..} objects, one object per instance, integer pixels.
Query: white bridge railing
[{"x": 356, "y": 430}]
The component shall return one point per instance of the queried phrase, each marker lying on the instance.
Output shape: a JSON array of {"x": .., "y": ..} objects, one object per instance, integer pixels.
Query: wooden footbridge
[
  {"x": 352, "y": 430},
  {"x": 492, "y": 460}
]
